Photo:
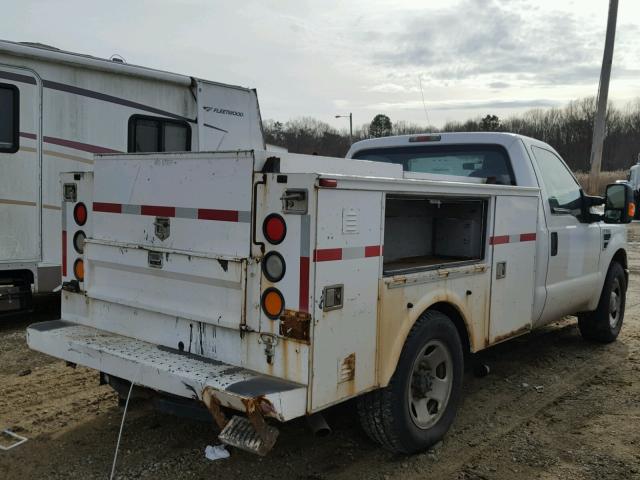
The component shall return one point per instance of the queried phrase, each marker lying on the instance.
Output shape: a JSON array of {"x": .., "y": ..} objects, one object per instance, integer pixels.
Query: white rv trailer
[{"x": 58, "y": 109}]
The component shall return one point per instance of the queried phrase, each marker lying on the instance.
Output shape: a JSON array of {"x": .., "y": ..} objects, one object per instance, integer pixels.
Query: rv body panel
[{"x": 74, "y": 106}]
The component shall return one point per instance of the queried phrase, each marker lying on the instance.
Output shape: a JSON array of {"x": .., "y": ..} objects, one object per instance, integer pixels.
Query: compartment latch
[{"x": 163, "y": 227}]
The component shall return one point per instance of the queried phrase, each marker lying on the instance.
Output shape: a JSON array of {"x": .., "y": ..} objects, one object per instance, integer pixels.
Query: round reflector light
[
  {"x": 78, "y": 269},
  {"x": 274, "y": 228},
  {"x": 272, "y": 303},
  {"x": 78, "y": 241},
  {"x": 80, "y": 213},
  {"x": 273, "y": 266}
]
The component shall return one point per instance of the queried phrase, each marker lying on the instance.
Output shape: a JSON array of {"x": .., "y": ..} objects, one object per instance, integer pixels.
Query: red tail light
[
  {"x": 80, "y": 213},
  {"x": 274, "y": 228}
]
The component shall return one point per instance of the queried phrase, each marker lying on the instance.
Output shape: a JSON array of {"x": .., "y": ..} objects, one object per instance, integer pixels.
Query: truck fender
[
  {"x": 614, "y": 251},
  {"x": 395, "y": 327}
]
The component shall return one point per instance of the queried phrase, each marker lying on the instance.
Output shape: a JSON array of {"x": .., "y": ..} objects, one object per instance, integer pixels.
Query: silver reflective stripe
[
  {"x": 305, "y": 235},
  {"x": 350, "y": 253},
  {"x": 182, "y": 212},
  {"x": 131, "y": 209},
  {"x": 244, "y": 217}
]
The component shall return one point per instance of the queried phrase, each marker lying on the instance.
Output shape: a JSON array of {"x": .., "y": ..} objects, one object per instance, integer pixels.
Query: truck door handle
[{"x": 554, "y": 244}]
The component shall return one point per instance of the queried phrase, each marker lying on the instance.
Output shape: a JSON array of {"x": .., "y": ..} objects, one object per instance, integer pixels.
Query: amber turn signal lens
[
  {"x": 78, "y": 270},
  {"x": 272, "y": 303},
  {"x": 632, "y": 210},
  {"x": 80, "y": 213}
]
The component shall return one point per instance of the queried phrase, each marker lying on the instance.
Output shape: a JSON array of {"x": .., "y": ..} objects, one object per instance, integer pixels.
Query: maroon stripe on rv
[
  {"x": 63, "y": 87},
  {"x": 83, "y": 92},
  {"x": 107, "y": 207},
  {"x": 327, "y": 254},
  {"x": 527, "y": 237},
  {"x": 18, "y": 78},
  {"x": 157, "y": 211},
  {"x": 303, "y": 301},
  {"x": 83, "y": 147},
  {"x": 220, "y": 215}
]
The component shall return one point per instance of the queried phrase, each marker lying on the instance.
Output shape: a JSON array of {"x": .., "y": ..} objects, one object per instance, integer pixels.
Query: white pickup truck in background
[{"x": 279, "y": 286}]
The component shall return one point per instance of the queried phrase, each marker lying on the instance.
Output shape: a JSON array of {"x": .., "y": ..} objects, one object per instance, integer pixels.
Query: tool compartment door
[
  {"x": 513, "y": 243},
  {"x": 347, "y": 256},
  {"x": 204, "y": 200}
]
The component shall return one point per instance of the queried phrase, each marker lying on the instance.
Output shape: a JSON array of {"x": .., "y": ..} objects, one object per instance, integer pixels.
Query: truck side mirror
[{"x": 619, "y": 206}]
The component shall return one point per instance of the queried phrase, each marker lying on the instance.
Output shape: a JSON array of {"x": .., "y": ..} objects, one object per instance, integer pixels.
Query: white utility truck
[
  {"x": 277, "y": 286},
  {"x": 57, "y": 109}
]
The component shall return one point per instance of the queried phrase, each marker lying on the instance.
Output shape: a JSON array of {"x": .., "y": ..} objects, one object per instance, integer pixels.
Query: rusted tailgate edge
[{"x": 169, "y": 370}]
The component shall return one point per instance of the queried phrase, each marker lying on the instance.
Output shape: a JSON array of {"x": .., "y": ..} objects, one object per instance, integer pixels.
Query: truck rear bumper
[{"x": 169, "y": 370}]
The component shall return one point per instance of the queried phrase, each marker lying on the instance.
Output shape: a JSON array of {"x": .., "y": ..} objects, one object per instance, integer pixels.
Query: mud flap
[{"x": 240, "y": 432}]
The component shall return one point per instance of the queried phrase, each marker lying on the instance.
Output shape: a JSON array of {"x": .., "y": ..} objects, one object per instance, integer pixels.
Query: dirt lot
[{"x": 554, "y": 406}]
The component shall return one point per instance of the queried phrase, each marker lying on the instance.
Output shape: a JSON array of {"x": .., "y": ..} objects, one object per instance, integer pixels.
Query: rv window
[
  {"x": 9, "y": 118},
  {"x": 154, "y": 134}
]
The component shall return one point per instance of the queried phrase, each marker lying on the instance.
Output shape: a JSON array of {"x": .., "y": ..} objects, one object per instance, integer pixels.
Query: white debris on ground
[{"x": 216, "y": 452}]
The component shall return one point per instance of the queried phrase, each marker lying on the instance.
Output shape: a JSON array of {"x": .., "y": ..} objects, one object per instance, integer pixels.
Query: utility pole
[
  {"x": 350, "y": 125},
  {"x": 603, "y": 93}
]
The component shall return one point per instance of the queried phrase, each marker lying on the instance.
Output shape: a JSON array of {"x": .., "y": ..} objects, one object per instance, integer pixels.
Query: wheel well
[
  {"x": 621, "y": 257},
  {"x": 454, "y": 314}
]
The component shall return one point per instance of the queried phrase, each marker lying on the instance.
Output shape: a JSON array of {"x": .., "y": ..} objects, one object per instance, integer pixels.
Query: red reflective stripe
[
  {"x": 221, "y": 215},
  {"x": 372, "y": 251},
  {"x": 304, "y": 284},
  {"x": 64, "y": 253},
  {"x": 327, "y": 254},
  {"x": 499, "y": 240},
  {"x": 157, "y": 211},
  {"x": 107, "y": 207},
  {"x": 522, "y": 237}
]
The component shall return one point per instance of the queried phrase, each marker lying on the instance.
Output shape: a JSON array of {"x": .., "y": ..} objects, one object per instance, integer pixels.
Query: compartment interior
[{"x": 423, "y": 233}]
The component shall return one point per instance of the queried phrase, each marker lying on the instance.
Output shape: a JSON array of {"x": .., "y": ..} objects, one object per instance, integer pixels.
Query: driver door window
[{"x": 562, "y": 191}]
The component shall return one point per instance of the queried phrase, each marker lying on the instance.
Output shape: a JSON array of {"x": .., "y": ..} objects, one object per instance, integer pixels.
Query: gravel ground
[{"x": 554, "y": 406}]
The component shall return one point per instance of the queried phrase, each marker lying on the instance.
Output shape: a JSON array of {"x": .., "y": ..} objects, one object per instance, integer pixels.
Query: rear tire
[
  {"x": 604, "y": 323},
  {"x": 419, "y": 405}
]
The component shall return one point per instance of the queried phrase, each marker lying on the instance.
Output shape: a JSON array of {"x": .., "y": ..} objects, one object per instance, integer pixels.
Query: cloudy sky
[{"x": 326, "y": 57}]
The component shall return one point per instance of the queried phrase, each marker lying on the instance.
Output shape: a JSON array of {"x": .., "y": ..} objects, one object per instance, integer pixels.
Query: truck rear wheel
[
  {"x": 604, "y": 323},
  {"x": 419, "y": 405}
]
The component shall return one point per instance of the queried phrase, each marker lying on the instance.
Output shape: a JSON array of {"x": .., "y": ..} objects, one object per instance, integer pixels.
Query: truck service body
[
  {"x": 279, "y": 285},
  {"x": 59, "y": 109}
]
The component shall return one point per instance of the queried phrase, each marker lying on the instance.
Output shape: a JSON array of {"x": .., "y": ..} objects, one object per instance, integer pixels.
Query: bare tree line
[{"x": 568, "y": 129}]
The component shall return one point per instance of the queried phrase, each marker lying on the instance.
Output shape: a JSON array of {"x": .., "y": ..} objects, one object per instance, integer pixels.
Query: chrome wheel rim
[
  {"x": 615, "y": 302},
  {"x": 431, "y": 382}
]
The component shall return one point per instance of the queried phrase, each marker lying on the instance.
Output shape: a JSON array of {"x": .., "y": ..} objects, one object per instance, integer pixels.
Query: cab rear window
[{"x": 488, "y": 162}]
